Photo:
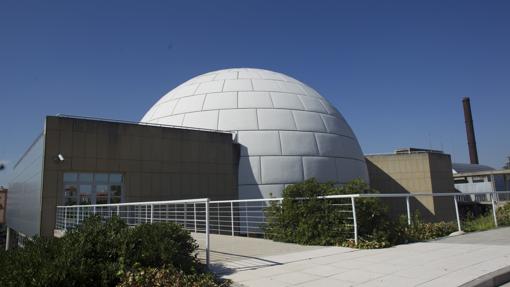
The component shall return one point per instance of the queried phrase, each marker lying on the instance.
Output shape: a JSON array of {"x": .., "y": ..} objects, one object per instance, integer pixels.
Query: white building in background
[
  {"x": 480, "y": 178},
  {"x": 288, "y": 132}
]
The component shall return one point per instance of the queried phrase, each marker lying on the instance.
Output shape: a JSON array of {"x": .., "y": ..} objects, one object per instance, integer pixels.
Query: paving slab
[{"x": 451, "y": 261}]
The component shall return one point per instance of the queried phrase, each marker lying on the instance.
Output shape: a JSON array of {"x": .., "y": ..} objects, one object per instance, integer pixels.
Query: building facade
[
  {"x": 415, "y": 171},
  {"x": 86, "y": 161}
]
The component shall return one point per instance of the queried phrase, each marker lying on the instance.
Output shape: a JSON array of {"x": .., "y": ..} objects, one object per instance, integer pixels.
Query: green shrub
[
  {"x": 402, "y": 232},
  {"x": 486, "y": 220},
  {"x": 480, "y": 223},
  {"x": 90, "y": 254},
  {"x": 98, "y": 253},
  {"x": 170, "y": 277},
  {"x": 158, "y": 244},
  {"x": 30, "y": 266},
  {"x": 503, "y": 215},
  {"x": 311, "y": 221},
  {"x": 304, "y": 218}
]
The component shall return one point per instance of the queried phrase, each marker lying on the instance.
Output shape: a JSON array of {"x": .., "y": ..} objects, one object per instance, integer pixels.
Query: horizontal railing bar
[{"x": 141, "y": 203}]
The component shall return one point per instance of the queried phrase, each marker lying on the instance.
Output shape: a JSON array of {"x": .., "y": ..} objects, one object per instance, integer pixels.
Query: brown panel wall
[
  {"x": 414, "y": 173},
  {"x": 158, "y": 163}
]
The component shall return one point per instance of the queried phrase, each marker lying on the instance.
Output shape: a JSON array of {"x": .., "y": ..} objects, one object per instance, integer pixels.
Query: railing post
[
  {"x": 77, "y": 216},
  {"x": 152, "y": 213},
  {"x": 232, "y": 216},
  {"x": 354, "y": 220},
  {"x": 65, "y": 218},
  {"x": 8, "y": 239},
  {"x": 118, "y": 210},
  {"x": 408, "y": 206},
  {"x": 494, "y": 209},
  {"x": 218, "y": 214},
  {"x": 457, "y": 212},
  {"x": 247, "y": 220},
  {"x": 94, "y": 210},
  {"x": 195, "y": 215},
  {"x": 207, "y": 232},
  {"x": 185, "y": 216}
]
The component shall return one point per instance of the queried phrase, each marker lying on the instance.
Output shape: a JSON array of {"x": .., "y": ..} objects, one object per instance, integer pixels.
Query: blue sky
[{"x": 397, "y": 70}]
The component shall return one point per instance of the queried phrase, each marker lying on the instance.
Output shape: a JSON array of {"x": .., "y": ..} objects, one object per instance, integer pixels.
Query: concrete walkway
[{"x": 447, "y": 262}]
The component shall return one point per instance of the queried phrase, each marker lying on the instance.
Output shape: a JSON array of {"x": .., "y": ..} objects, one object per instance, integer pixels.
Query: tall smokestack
[{"x": 470, "y": 131}]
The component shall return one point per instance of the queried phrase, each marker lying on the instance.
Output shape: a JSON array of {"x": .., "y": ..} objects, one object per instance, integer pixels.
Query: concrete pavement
[{"x": 447, "y": 262}]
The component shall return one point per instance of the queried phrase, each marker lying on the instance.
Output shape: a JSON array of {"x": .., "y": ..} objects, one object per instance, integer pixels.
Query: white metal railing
[
  {"x": 192, "y": 214},
  {"x": 248, "y": 217}
]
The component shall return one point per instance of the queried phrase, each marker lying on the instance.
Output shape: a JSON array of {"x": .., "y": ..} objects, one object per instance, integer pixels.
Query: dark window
[{"x": 92, "y": 188}]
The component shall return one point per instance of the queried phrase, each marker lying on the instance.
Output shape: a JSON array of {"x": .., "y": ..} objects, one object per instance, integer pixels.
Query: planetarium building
[
  {"x": 287, "y": 131},
  {"x": 228, "y": 134}
]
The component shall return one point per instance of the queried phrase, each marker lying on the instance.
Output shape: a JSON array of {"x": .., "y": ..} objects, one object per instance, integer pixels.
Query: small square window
[
  {"x": 101, "y": 199},
  {"x": 116, "y": 190},
  {"x": 70, "y": 190},
  {"x": 85, "y": 189},
  {"x": 70, "y": 177},
  {"x": 86, "y": 177},
  {"x": 115, "y": 178},
  {"x": 101, "y": 177}
]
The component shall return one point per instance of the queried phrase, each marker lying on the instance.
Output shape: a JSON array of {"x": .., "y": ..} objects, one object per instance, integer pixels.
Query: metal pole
[
  {"x": 118, "y": 210},
  {"x": 494, "y": 209},
  {"x": 457, "y": 212},
  {"x": 232, "y": 216},
  {"x": 8, "y": 239},
  {"x": 152, "y": 213},
  {"x": 408, "y": 211},
  {"x": 247, "y": 220},
  {"x": 185, "y": 215},
  {"x": 354, "y": 220},
  {"x": 65, "y": 218},
  {"x": 207, "y": 232},
  {"x": 78, "y": 215},
  {"x": 195, "y": 215},
  {"x": 218, "y": 213}
]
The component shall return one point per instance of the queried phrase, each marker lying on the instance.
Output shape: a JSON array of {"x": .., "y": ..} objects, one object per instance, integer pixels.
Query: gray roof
[{"x": 468, "y": 167}]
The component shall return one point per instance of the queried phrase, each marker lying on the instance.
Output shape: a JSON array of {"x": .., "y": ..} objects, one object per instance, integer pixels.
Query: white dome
[{"x": 288, "y": 132}]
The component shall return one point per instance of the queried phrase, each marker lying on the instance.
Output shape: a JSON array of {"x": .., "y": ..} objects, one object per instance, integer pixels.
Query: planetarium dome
[{"x": 287, "y": 131}]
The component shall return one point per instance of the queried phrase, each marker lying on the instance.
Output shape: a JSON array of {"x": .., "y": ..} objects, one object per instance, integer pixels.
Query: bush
[
  {"x": 503, "y": 215},
  {"x": 419, "y": 230},
  {"x": 305, "y": 219},
  {"x": 100, "y": 253},
  {"x": 170, "y": 277},
  {"x": 158, "y": 244},
  {"x": 486, "y": 220},
  {"x": 311, "y": 221},
  {"x": 30, "y": 266},
  {"x": 90, "y": 254},
  {"x": 480, "y": 223}
]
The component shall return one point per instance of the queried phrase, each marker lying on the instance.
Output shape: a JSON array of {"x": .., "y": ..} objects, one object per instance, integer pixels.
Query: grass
[{"x": 482, "y": 223}]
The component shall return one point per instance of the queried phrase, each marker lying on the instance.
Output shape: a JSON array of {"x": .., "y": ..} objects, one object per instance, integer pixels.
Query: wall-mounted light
[{"x": 59, "y": 158}]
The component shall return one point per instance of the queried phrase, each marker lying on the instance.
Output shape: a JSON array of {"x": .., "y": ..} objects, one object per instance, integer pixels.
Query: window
[
  {"x": 476, "y": 179},
  {"x": 92, "y": 188}
]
